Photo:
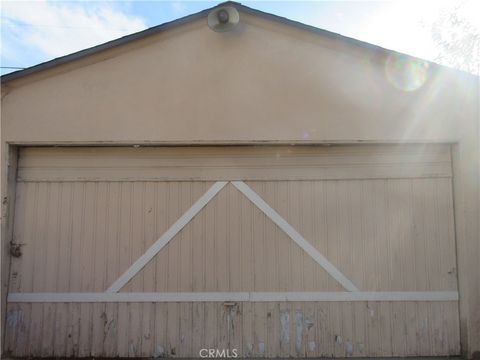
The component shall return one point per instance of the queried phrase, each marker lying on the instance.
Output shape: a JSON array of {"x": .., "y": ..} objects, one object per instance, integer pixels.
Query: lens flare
[{"x": 406, "y": 73}]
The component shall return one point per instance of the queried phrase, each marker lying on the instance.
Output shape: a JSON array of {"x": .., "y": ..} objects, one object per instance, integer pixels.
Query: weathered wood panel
[
  {"x": 270, "y": 330},
  {"x": 392, "y": 234}
]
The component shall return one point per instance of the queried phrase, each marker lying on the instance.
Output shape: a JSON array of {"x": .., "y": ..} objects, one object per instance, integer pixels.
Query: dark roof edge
[{"x": 177, "y": 22}]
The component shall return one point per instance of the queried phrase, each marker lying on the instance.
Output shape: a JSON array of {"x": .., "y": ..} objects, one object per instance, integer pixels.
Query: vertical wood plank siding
[{"x": 384, "y": 234}]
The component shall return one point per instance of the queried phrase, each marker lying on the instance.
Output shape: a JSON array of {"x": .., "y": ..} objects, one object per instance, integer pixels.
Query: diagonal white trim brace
[
  {"x": 166, "y": 237},
  {"x": 294, "y": 235}
]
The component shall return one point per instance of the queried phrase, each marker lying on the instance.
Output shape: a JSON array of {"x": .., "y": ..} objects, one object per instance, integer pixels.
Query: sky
[{"x": 36, "y": 31}]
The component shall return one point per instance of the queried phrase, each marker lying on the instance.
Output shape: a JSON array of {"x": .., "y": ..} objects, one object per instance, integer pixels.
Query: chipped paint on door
[{"x": 385, "y": 228}]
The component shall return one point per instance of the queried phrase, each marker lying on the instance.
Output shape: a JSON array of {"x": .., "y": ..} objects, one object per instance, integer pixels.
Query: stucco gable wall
[{"x": 265, "y": 81}]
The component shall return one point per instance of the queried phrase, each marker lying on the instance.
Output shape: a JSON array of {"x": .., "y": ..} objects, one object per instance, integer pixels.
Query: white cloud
[{"x": 60, "y": 28}]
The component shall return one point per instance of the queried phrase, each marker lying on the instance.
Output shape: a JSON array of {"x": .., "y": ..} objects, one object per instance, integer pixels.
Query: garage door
[{"x": 300, "y": 251}]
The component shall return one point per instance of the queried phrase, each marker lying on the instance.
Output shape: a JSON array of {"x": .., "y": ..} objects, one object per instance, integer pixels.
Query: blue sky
[{"x": 36, "y": 31}]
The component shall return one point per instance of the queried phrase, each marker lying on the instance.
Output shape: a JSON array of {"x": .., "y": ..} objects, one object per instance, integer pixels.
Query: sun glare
[
  {"x": 407, "y": 27},
  {"x": 406, "y": 73}
]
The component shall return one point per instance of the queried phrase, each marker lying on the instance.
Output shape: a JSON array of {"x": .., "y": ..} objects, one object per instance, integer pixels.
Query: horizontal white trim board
[{"x": 234, "y": 296}]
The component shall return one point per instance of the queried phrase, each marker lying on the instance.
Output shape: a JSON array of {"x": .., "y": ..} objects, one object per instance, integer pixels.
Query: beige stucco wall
[{"x": 264, "y": 82}]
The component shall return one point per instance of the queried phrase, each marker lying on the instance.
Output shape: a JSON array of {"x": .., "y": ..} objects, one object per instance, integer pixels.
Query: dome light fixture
[{"x": 223, "y": 18}]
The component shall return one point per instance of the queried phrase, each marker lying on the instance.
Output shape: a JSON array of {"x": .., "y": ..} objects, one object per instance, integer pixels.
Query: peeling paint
[
  {"x": 159, "y": 351},
  {"x": 285, "y": 322},
  {"x": 311, "y": 346},
  {"x": 361, "y": 347},
  {"x": 349, "y": 348},
  {"x": 338, "y": 339},
  {"x": 299, "y": 332},
  {"x": 13, "y": 318},
  {"x": 131, "y": 348},
  {"x": 15, "y": 323},
  {"x": 423, "y": 330},
  {"x": 371, "y": 312},
  {"x": 232, "y": 311},
  {"x": 261, "y": 347},
  {"x": 248, "y": 349}
]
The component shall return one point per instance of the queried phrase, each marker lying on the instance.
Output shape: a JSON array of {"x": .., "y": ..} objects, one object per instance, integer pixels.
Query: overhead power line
[{"x": 23, "y": 23}]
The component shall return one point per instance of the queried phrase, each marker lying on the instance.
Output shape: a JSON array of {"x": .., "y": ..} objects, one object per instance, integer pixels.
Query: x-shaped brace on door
[{"x": 257, "y": 201}]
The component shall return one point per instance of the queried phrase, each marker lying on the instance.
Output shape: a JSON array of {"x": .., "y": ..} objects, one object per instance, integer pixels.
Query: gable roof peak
[{"x": 178, "y": 22}]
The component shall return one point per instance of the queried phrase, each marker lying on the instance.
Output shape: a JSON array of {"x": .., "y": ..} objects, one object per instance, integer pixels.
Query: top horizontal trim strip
[{"x": 234, "y": 163}]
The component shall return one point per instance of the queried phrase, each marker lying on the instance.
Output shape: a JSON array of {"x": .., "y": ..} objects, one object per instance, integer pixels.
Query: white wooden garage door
[{"x": 300, "y": 251}]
